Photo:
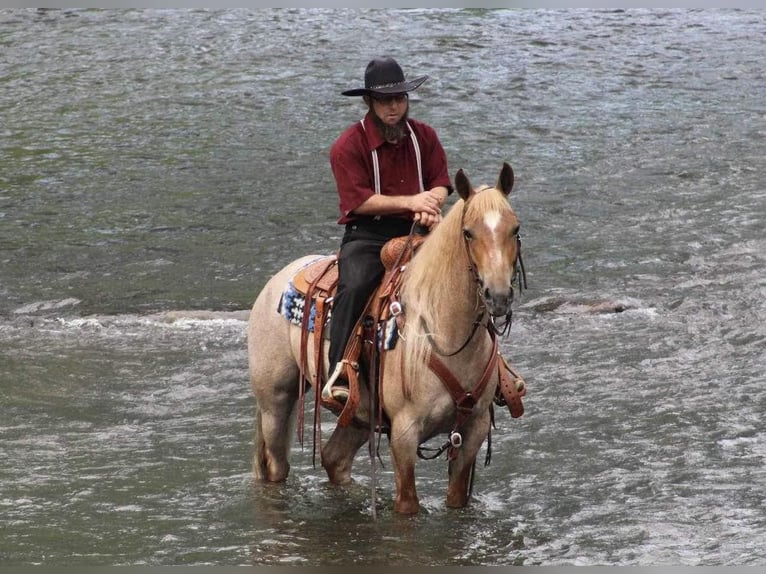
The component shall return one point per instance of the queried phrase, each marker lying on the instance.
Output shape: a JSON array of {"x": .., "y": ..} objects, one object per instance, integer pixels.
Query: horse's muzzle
[{"x": 498, "y": 304}]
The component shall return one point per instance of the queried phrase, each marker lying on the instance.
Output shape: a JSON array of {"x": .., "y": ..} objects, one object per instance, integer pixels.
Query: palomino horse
[{"x": 462, "y": 275}]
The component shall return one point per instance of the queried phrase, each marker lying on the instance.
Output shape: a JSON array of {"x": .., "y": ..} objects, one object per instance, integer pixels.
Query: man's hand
[
  {"x": 427, "y": 206},
  {"x": 429, "y": 202},
  {"x": 428, "y": 220}
]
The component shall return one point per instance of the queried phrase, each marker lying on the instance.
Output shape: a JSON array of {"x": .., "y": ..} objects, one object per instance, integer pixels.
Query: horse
[{"x": 458, "y": 283}]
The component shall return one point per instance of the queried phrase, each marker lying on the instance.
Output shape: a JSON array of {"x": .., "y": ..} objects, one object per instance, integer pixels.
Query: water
[{"x": 159, "y": 165}]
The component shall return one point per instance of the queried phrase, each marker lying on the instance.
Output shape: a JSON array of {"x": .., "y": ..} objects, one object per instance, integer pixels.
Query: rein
[{"x": 476, "y": 324}]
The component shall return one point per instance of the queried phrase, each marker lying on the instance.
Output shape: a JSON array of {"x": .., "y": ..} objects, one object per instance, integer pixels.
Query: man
[{"x": 391, "y": 172}]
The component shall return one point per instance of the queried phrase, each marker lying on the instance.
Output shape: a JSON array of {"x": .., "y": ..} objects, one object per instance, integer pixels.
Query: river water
[{"x": 157, "y": 166}]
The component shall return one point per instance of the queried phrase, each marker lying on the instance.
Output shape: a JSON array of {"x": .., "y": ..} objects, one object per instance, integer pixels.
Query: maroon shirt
[{"x": 351, "y": 163}]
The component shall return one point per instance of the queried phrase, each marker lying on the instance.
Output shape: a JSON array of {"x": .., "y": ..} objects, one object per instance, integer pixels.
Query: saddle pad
[{"x": 292, "y": 305}]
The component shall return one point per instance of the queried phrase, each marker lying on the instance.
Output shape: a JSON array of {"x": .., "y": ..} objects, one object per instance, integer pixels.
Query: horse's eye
[
  {"x": 467, "y": 235},
  {"x": 515, "y": 231}
]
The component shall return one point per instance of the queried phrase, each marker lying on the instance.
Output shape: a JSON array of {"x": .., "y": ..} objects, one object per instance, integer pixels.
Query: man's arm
[{"x": 428, "y": 202}]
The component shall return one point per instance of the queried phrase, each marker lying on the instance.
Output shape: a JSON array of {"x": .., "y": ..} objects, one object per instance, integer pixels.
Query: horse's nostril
[{"x": 487, "y": 294}]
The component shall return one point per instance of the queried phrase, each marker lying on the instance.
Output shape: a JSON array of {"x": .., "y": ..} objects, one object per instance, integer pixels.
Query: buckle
[{"x": 396, "y": 308}]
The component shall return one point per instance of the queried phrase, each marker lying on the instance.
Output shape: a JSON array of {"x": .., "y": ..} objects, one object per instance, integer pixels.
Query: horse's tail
[{"x": 259, "y": 446}]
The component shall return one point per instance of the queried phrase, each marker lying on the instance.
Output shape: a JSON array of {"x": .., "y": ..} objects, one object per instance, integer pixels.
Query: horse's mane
[{"x": 439, "y": 273}]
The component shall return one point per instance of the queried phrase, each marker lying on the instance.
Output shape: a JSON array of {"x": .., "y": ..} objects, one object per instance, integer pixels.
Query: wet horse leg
[
  {"x": 339, "y": 452},
  {"x": 459, "y": 482},
  {"x": 404, "y": 444},
  {"x": 274, "y": 425},
  {"x": 461, "y": 468}
]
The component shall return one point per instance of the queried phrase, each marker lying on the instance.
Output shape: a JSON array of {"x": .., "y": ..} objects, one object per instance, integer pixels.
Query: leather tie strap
[
  {"x": 508, "y": 393},
  {"x": 319, "y": 319}
]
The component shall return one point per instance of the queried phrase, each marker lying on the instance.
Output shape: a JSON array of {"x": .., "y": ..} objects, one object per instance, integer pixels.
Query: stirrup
[{"x": 339, "y": 393}]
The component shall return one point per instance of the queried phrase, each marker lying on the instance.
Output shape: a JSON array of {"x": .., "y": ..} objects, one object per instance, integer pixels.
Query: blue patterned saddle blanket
[{"x": 292, "y": 306}]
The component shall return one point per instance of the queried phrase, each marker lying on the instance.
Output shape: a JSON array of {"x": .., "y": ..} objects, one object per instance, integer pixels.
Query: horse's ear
[
  {"x": 462, "y": 185},
  {"x": 505, "y": 181}
]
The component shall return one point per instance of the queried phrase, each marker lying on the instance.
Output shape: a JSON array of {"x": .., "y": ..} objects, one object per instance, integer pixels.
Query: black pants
[{"x": 360, "y": 271}]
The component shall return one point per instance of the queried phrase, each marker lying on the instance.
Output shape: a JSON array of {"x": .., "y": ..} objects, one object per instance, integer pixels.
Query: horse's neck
[
  {"x": 441, "y": 305},
  {"x": 465, "y": 303},
  {"x": 455, "y": 307}
]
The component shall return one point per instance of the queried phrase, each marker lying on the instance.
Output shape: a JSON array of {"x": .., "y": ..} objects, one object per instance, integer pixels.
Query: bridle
[{"x": 519, "y": 277}]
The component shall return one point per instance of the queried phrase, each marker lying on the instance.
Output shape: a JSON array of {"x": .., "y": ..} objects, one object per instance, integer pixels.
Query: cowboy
[{"x": 391, "y": 173}]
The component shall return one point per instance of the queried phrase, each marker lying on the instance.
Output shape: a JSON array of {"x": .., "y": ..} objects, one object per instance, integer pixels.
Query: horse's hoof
[
  {"x": 340, "y": 479},
  {"x": 407, "y": 508}
]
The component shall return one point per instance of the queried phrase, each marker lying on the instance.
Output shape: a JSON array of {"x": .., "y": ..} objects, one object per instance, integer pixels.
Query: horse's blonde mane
[{"x": 439, "y": 273}]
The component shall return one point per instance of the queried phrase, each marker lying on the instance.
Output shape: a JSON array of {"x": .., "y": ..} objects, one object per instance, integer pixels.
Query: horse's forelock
[{"x": 486, "y": 200}]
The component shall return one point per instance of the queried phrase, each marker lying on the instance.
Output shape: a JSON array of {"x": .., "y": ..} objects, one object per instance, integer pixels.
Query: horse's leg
[
  {"x": 404, "y": 446},
  {"x": 274, "y": 432},
  {"x": 259, "y": 447},
  {"x": 274, "y": 378},
  {"x": 461, "y": 468},
  {"x": 338, "y": 454},
  {"x": 459, "y": 482},
  {"x": 274, "y": 425}
]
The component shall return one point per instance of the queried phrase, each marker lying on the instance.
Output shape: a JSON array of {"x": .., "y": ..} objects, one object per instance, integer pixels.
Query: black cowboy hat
[{"x": 384, "y": 76}]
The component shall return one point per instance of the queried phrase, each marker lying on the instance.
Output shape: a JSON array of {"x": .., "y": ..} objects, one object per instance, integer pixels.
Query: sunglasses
[{"x": 388, "y": 98}]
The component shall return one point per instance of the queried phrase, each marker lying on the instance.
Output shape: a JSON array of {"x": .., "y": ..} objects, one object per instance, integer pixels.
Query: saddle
[{"x": 320, "y": 278}]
